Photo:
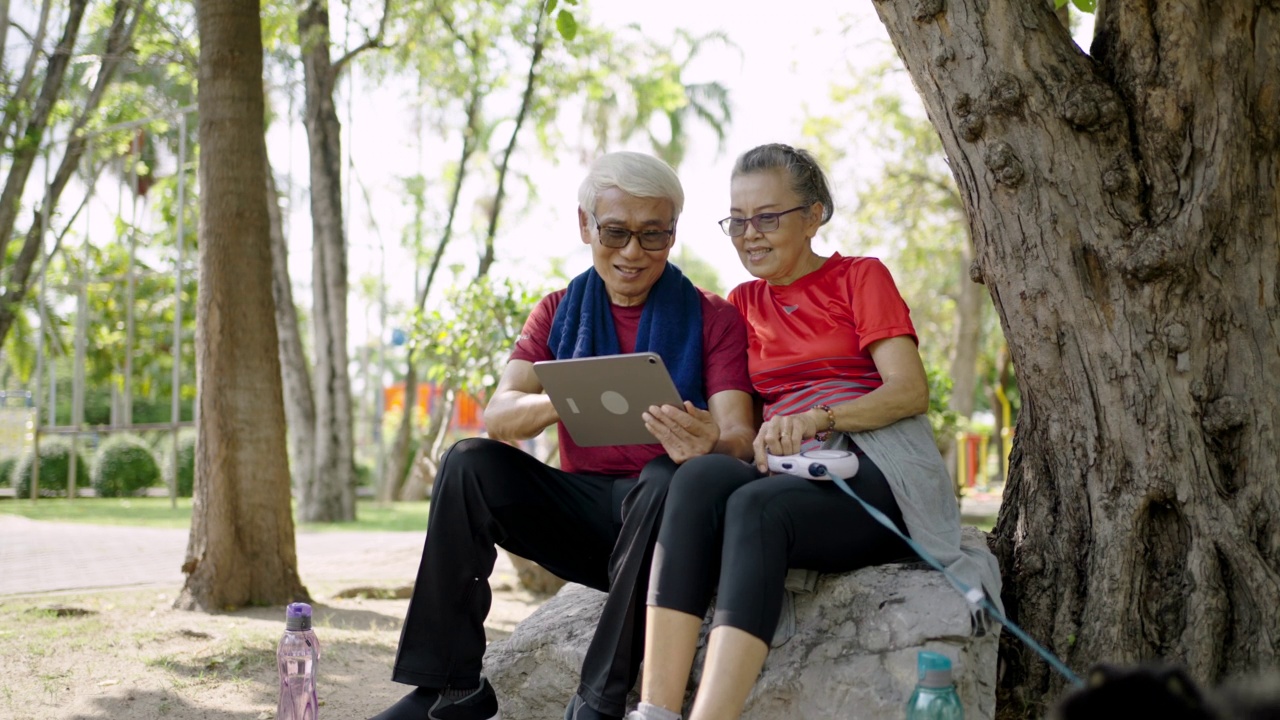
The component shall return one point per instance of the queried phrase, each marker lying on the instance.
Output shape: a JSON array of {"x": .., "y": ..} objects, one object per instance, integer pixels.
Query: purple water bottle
[{"x": 297, "y": 655}]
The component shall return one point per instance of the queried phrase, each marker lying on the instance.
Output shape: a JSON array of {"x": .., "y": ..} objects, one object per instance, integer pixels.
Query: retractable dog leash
[{"x": 824, "y": 464}]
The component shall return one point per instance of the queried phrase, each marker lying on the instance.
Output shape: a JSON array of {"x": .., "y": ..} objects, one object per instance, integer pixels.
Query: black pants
[
  {"x": 730, "y": 531},
  {"x": 597, "y": 531}
]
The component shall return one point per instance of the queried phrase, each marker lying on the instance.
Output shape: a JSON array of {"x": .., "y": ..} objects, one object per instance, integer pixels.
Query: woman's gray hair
[
  {"x": 808, "y": 181},
  {"x": 635, "y": 174}
]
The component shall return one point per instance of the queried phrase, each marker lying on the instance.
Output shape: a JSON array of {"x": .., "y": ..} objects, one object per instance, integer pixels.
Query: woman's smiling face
[{"x": 779, "y": 256}]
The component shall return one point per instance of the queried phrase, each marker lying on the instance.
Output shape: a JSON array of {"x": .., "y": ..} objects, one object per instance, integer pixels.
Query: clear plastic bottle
[
  {"x": 935, "y": 695},
  {"x": 297, "y": 656}
]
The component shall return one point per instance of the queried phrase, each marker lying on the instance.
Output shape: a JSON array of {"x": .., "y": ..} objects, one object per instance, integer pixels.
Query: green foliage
[
  {"x": 55, "y": 458},
  {"x": 699, "y": 271},
  {"x": 942, "y": 419},
  {"x": 467, "y": 340},
  {"x": 123, "y": 466},
  {"x": 6, "y": 469},
  {"x": 185, "y": 465}
]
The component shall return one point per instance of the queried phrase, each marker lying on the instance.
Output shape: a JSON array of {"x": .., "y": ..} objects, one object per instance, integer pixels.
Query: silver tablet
[{"x": 601, "y": 399}]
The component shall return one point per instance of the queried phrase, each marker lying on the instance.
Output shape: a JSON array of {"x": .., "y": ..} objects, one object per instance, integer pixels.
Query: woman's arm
[
  {"x": 905, "y": 393},
  {"x": 519, "y": 409}
]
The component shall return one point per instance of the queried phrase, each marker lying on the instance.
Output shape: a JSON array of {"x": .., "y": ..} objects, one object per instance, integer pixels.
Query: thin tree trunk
[
  {"x": 1125, "y": 209},
  {"x": 964, "y": 362},
  {"x": 119, "y": 37},
  {"x": 13, "y": 108},
  {"x": 25, "y": 151},
  {"x": 526, "y": 101},
  {"x": 329, "y": 495},
  {"x": 399, "y": 454},
  {"x": 241, "y": 547},
  {"x": 422, "y": 472},
  {"x": 299, "y": 405}
]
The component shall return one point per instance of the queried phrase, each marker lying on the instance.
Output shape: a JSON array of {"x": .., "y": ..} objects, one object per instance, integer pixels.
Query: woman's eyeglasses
[
  {"x": 617, "y": 238},
  {"x": 764, "y": 222}
]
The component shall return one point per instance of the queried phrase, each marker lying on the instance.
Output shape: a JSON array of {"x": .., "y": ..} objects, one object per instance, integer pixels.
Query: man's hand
[
  {"x": 684, "y": 434},
  {"x": 782, "y": 435}
]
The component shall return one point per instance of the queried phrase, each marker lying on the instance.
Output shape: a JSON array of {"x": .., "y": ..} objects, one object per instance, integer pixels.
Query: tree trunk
[
  {"x": 964, "y": 361},
  {"x": 241, "y": 548},
  {"x": 1125, "y": 210},
  {"x": 398, "y": 461},
  {"x": 329, "y": 495},
  {"x": 299, "y": 405}
]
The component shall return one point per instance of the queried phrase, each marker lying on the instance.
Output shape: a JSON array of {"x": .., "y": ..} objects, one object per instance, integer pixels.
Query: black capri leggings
[{"x": 728, "y": 529}]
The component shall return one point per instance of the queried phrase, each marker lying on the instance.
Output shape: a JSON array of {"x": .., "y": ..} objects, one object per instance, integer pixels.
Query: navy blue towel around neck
[{"x": 670, "y": 325}]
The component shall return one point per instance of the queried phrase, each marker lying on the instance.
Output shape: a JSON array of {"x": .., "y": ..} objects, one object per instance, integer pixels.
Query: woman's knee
[{"x": 710, "y": 478}]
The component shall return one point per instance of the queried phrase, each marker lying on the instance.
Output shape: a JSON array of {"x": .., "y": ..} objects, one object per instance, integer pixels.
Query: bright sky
[{"x": 789, "y": 56}]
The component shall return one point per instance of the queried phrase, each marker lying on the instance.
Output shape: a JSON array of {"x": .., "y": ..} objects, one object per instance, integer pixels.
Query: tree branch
[
  {"x": 28, "y": 72},
  {"x": 373, "y": 42}
]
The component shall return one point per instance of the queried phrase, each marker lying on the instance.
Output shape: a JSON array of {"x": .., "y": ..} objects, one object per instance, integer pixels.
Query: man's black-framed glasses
[
  {"x": 612, "y": 236},
  {"x": 764, "y": 222}
]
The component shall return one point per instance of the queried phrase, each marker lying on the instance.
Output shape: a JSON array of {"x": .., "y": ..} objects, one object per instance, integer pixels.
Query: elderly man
[{"x": 594, "y": 520}]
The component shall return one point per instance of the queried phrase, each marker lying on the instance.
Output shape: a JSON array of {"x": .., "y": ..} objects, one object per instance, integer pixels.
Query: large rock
[{"x": 852, "y": 655}]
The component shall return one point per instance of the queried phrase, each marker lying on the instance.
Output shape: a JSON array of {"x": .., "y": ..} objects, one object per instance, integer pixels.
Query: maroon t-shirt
[{"x": 724, "y": 366}]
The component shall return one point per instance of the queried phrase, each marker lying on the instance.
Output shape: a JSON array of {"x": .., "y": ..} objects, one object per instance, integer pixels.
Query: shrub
[
  {"x": 123, "y": 466},
  {"x": 186, "y": 462},
  {"x": 55, "y": 455},
  {"x": 6, "y": 469}
]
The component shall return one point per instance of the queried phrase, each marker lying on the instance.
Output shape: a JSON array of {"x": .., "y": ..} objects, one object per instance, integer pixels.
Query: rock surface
[{"x": 853, "y": 653}]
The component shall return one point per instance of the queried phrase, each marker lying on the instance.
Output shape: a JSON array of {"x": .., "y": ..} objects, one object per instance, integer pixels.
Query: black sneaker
[{"x": 429, "y": 704}]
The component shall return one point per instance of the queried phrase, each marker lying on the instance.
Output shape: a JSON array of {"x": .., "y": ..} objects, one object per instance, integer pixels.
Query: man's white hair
[{"x": 635, "y": 174}]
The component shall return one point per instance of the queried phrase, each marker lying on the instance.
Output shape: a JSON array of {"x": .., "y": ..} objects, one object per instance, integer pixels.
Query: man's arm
[
  {"x": 733, "y": 411},
  {"x": 724, "y": 427},
  {"x": 519, "y": 409}
]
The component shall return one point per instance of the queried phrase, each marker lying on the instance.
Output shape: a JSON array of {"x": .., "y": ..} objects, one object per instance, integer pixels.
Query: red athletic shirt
[
  {"x": 808, "y": 340},
  {"x": 724, "y": 363}
]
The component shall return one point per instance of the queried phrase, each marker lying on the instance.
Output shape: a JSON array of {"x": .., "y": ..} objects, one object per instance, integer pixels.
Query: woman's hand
[
  {"x": 783, "y": 435},
  {"x": 684, "y": 434}
]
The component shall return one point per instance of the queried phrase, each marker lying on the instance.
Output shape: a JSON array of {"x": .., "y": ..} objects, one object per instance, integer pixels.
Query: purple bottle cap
[{"x": 297, "y": 616}]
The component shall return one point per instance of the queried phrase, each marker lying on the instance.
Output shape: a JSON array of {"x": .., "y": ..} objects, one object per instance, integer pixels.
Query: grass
[{"x": 371, "y": 516}]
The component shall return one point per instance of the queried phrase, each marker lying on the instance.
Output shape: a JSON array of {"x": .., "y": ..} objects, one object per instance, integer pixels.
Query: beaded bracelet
[{"x": 831, "y": 421}]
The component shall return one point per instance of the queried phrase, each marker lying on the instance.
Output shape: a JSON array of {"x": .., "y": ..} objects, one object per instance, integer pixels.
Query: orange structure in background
[{"x": 467, "y": 413}]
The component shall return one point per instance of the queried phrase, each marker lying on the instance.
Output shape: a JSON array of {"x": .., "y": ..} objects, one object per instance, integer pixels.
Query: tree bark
[
  {"x": 329, "y": 494},
  {"x": 241, "y": 547},
  {"x": 299, "y": 405},
  {"x": 1125, "y": 210}
]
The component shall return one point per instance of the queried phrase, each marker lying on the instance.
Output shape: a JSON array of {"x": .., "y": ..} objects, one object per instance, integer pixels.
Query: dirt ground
[{"x": 127, "y": 654}]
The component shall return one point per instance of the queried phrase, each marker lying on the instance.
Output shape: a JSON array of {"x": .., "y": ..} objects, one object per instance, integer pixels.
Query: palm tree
[{"x": 649, "y": 77}]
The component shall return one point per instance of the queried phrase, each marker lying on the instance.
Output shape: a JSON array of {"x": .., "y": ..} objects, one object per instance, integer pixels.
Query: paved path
[{"x": 38, "y": 556}]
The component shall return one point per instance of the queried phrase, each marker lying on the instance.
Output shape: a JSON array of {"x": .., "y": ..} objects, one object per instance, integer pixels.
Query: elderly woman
[{"x": 833, "y": 354}]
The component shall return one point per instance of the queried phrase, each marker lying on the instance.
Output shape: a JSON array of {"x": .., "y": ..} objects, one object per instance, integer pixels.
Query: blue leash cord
[{"x": 974, "y": 596}]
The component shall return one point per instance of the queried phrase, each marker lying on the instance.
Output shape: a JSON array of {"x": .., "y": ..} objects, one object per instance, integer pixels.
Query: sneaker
[{"x": 430, "y": 704}]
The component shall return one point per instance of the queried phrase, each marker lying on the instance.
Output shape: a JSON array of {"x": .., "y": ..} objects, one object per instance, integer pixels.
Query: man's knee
[{"x": 469, "y": 460}]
